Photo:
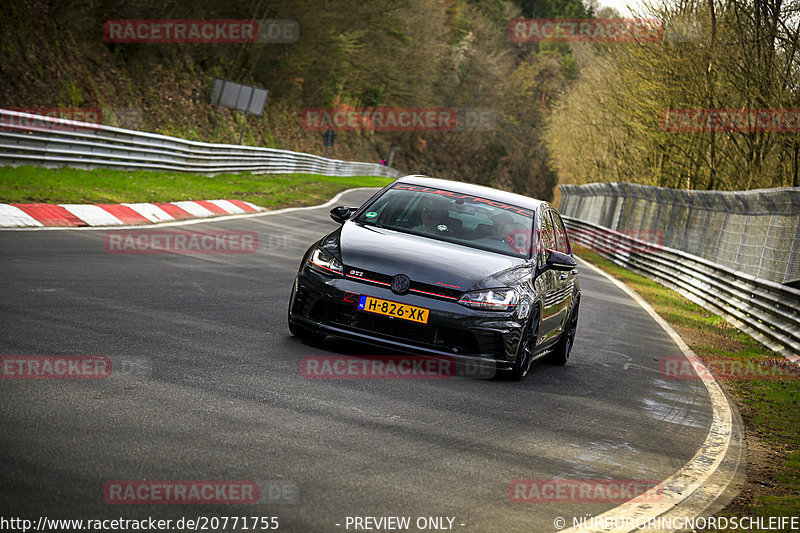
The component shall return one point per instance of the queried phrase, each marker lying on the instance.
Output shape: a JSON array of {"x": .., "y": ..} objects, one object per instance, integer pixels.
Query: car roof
[{"x": 475, "y": 190}]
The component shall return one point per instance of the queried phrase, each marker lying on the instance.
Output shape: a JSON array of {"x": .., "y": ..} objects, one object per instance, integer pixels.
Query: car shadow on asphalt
[{"x": 351, "y": 349}]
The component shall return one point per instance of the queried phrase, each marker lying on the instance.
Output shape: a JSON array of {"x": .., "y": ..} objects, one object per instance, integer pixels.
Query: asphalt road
[{"x": 218, "y": 395}]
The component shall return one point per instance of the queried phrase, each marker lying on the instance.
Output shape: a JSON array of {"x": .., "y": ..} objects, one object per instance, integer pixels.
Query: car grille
[
  {"x": 429, "y": 336},
  {"x": 424, "y": 289}
]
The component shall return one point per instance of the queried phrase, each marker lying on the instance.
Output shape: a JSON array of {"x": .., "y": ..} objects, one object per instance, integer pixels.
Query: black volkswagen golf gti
[{"x": 440, "y": 267}]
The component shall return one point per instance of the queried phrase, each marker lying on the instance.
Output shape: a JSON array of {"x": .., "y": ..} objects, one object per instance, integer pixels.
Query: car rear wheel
[
  {"x": 527, "y": 348},
  {"x": 560, "y": 355}
]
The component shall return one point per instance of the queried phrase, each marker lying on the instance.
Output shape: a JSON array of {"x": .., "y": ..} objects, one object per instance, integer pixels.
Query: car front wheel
[
  {"x": 560, "y": 355},
  {"x": 527, "y": 348}
]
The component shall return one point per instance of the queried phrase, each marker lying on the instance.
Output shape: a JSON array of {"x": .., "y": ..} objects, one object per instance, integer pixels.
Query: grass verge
[
  {"x": 30, "y": 184},
  {"x": 769, "y": 407}
]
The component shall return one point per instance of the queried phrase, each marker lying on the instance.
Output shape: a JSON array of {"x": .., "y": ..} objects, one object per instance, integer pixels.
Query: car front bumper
[{"x": 328, "y": 304}]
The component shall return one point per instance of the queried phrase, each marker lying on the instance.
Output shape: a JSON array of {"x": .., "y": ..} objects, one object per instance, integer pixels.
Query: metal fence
[
  {"x": 756, "y": 232},
  {"x": 768, "y": 311},
  {"x": 27, "y": 139}
]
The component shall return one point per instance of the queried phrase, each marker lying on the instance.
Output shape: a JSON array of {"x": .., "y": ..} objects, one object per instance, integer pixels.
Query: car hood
[{"x": 389, "y": 252}]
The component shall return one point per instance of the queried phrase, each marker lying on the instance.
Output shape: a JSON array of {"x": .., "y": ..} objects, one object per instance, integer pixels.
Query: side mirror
[
  {"x": 341, "y": 214},
  {"x": 559, "y": 261}
]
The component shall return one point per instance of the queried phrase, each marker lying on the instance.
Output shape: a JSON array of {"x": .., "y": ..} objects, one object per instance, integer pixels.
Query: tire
[
  {"x": 527, "y": 346},
  {"x": 560, "y": 355}
]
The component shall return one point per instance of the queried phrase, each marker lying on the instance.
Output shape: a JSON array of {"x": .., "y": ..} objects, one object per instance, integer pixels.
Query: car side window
[
  {"x": 546, "y": 239},
  {"x": 562, "y": 242}
]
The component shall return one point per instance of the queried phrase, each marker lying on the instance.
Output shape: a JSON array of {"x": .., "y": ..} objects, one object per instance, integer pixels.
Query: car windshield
[{"x": 453, "y": 217}]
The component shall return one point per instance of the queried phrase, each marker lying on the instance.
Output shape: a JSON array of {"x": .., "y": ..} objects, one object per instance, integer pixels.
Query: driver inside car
[
  {"x": 502, "y": 234},
  {"x": 502, "y": 226}
]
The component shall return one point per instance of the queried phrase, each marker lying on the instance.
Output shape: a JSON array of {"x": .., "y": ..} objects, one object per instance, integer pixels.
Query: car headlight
[
  {"x": 325, "y": 262},
  {"x": 491, "y": 300}
]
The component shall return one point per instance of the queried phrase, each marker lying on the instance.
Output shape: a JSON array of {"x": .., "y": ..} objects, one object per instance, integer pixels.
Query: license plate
[{"x": 398, "y": 310}]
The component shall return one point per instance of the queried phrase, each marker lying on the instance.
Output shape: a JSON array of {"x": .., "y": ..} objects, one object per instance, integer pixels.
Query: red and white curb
[{"x": 76, "y": 215}]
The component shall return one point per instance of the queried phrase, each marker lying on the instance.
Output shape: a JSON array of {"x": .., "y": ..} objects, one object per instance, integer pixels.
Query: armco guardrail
[
  {"x": 768, "y": 311},
  {"x": 755, "y": 231},
  {"x": 27, "y": 139}
]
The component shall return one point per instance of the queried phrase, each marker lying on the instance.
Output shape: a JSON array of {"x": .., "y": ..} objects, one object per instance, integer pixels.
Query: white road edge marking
[
  {"x": 664, "y": 497},
  {"x": 195, "y": 221}
]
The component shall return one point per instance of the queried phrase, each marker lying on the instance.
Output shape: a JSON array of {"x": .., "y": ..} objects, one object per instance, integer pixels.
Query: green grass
[
  {"x": 69, "y": 185},
  {"x": 770, "y": 408}
]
